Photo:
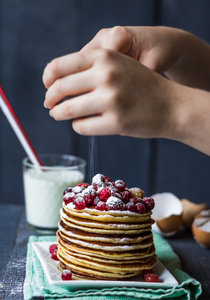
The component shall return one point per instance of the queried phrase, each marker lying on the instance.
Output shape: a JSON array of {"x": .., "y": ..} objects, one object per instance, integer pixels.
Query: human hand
[
  {"x": 111, "y": 94},
  {"x": 155, "y": 47}
]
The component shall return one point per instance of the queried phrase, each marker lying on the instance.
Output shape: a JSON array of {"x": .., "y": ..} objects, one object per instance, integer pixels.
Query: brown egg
[
  {"x": 201, "y": 228},
  {"x": 190, "y": 210},
  {"x": 167, "y": 213}
]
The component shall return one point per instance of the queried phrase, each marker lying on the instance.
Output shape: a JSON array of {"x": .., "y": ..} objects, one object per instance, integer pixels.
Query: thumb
[{"x": 116, "y": 38}]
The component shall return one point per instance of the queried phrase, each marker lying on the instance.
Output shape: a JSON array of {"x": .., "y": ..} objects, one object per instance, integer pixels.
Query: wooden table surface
[{"x": 14, "y": 234}]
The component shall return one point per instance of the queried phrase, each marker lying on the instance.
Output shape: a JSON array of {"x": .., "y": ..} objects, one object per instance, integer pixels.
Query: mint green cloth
[{"x": 36, "y": 284}]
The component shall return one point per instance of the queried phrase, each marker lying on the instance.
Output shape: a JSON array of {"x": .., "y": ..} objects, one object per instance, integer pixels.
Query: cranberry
[
  {"x": 77, "y": 189},
  {"x": 53, "y": 247},
  {"x": 96, "y": 200},
  {"x": 114, "y": 203},
  {"x": 101, "y": 205},
  {"x": 99, "y": 180},
  {"x": 134, "y": 200},
  {"x": 54, "y": 254},
  {"x": 149, "y": 202},
  {"x": 131, "y": 206},
  {"x": 151, "y": 278},
  {"x": 118, "y": 195},
  {"x": 140, "y": 208},
  {"x": 88, "y": 199},
  {"x": 108, "y": 178},
  {"x": 80, "y": 203},
  {"x": 105, "y": 193},
  {"x": 83, "y": 185},
  {"x": 91, "y": 191},
  {"x": 68, "y": 197},
  {"x": 126, "y": 196},
  {"x": 146, "y": 272},
  {"x": 95, "y": 186},
  {"x": 67, "y": 190},
  {"x": 113, "y": 189},
  {"x": 66, "y": 275},
  {"x": 120, "y": 185}
]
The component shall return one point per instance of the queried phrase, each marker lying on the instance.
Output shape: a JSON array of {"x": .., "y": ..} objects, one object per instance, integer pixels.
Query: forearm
[
  {"x": 190, "y": 121},
  {"x": 193, "y": 61}
]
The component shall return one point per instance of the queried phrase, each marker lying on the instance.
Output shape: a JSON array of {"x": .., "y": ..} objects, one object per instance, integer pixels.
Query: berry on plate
[{"x": 66, "y": 275}]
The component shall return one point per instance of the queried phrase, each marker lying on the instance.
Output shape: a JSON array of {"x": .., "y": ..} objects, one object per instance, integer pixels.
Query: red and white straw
[{"x": 18, "y": 128}]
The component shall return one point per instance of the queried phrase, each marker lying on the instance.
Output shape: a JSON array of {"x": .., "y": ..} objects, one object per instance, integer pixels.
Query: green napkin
[{"x": 36, "y": 284}]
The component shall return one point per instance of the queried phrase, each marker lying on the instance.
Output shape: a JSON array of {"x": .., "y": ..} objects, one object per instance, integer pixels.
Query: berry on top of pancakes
[{"x": 105, "y": 195}]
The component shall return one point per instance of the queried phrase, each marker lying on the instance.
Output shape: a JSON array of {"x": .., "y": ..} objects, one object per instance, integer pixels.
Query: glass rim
[{"x": 81, "y": 162}]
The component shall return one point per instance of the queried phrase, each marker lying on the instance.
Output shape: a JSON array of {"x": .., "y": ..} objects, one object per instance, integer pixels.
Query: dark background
[{"x": 32, "y": 33}]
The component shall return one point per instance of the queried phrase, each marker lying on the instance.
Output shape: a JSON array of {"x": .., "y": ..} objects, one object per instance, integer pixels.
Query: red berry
[
  {"x": 77, "y": 189},
  {"x": 113, "y": 189},
  {"x": 99, "y": 180},
  {"x": 120, "y": 185},
  {"x": 53, "y": 247},
  {"x": 83, "y": 185},
  {"x": 54, "y": 254},
  {"x": 134, "y": 200},
  {"x": 67, "y": 190},
  {"x": 151, "y": 278},
  {"x": 101, "y": 205},
  {"x": 140, "y": 208},
  {"x": 126, "y": 196},
  {"x": 149, "y": 202},
  {"x": 114, "y": 203},
  {"x": 146, "y": 272},
  {"x": 66, "y": 275},
  {"x": 105, "y": 193},
  {"x": 89, "y": 194},
  {"x": 131, "y": 206},
  {"x": 91, "y": 191},
  {"x": 95, "y": 186},
  {"x": 96, "y": 200},
  {"x": 88, "y": 199},
  {"x": 69, "y": 197},
  {"x": 108, "y": 178},
  {"x": 79, "y": 203},
  {"x": 118, "y": 195}
]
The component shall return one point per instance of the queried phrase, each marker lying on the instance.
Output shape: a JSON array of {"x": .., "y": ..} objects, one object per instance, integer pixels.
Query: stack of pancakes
[{"x": 105, "y": 245}]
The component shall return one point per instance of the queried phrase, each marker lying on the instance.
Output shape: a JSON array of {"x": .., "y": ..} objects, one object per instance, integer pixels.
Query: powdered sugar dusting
[
  {"x": 98, "y": 179},
  {"x": 113, "y": 201}
]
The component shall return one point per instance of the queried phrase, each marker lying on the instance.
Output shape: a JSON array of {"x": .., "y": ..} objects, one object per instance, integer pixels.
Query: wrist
[{"x": 189, "y": 118}]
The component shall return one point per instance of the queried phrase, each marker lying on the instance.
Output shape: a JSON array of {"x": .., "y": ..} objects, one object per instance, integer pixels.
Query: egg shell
[
  {"x": 170, "y": 224},
  {"x": 167, "y": 213},
  {"x": 190, "y": 210},
  {"x": 201, "y": 228}
]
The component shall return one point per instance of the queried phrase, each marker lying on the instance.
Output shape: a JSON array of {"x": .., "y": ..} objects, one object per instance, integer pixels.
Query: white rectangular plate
[{"x": 53, "y": 274}]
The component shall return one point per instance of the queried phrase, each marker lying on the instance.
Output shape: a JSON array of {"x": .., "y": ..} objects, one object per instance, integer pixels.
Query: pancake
[
  {"x": 112, "y": 259},
  {"x": 104, "y": 232},
  {"x": 147, "y": 227},
  {"x": 113, "y": 216},
  {"x": 109, "y": 237},
  {"x": 126, "y": 255},
  {"x": 101, "y": 221}
]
